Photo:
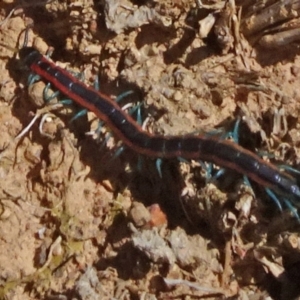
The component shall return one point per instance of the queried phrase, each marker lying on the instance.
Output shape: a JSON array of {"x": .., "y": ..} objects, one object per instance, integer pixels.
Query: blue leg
[
  {"x": 78, "y": 75},
  {"x": 289, "y": 169},
  {"x": 208, "y": 167},
  {"x": 287, "y": 203},
  {"x": 79, "y": 114},
  {"x": 137, "y": 109},
  {"x": 247, "y": 182},
  {"x": 123, "y": 95},
  {"x": 292, "y": 208},
  {"x": 235, "y": 133},
  {"x": 32, "y": 78},
  {"x": 182, "y": 160},
  {"x": 219, "y": 173},
  {"x": 140, "y": 163},
  {"x": 158, "y": 164},
  {"x": 97, "y": 84},
  {"x": 119, "y": 151},
  {"x": 99, "y": 127},
  {"x": 66, "y": 101},
  {"x": 274, "y": 198},
  {"x": 103, "y": 143},
  {"x": 119, "y": 98},
  {"x": 49, "y": 97}
]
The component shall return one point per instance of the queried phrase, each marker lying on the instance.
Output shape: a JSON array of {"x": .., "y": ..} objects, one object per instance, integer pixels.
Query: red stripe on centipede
[{"x": 220, "y": 152}]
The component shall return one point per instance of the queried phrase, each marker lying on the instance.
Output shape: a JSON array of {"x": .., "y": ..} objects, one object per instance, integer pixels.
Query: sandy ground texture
[{"x": 78, "y": 220}]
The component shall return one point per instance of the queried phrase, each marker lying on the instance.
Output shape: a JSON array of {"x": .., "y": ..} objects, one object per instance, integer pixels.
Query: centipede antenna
[
  {"x": 25, "y": 43},
  {"x": 15, "y": 50},
  {"x": 26, "y": 34}
]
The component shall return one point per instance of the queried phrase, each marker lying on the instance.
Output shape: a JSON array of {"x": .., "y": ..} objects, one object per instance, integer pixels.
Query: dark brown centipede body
[{"x": 224, "y": 153}]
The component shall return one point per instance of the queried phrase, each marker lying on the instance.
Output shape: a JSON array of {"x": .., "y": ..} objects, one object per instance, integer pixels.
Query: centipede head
[{"x": 29, "y": 55}]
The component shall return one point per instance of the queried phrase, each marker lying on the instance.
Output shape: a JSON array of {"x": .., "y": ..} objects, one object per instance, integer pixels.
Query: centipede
[{"x": 222, "y": 152}]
